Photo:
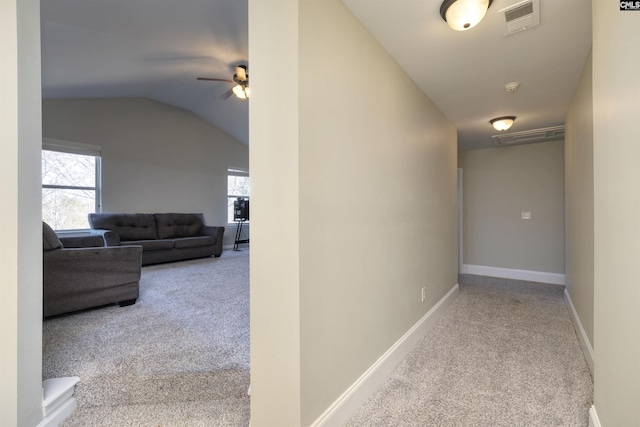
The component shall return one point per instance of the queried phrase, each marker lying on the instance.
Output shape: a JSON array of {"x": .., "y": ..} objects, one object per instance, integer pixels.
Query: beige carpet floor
[{"x": 505, "y": 354}]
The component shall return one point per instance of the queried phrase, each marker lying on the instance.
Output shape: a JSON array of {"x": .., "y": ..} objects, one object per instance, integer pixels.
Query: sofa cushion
[
  {"x": 194, "y": 242},
  {"x": 50, "y": 240},
  {"x": 127, "y": 226},
  {"x": 152, "y": 245},
  {"x": 174, "y": 225}
]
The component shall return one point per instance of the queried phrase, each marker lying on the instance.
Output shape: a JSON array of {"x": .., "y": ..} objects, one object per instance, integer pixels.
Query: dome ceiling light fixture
[
  {"x": 462, "y": 15},
  {"x": 502, "y": 123},
  {"x": 511, "y": 87}
]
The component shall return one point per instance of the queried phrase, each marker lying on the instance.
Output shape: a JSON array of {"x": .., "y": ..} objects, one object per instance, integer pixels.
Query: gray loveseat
[
  {"x": 85, "y": 277},
  {"x": 164, "y": 237}
]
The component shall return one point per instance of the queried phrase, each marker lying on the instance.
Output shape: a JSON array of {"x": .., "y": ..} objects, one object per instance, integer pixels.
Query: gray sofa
[
  {"x": 164, "y": 237},
  {"x": 85, "y": 277}
]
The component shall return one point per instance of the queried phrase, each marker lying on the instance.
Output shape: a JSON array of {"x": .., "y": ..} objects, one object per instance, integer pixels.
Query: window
[
  {"x": 70, "y": 184},
  {"x": 238, "y": 185}
]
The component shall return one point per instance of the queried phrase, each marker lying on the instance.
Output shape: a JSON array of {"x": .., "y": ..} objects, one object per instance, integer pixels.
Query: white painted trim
[
  {"x": 57, "y": 400},
  {"x": 61, "y": 413},
  {"x": 510, "y": 273},
  {"x": 71, "y": 146},
  {"x": 593, "y": 417},
  {"x": 357, "y": 394},
  {"x": 587, "y": 349}
]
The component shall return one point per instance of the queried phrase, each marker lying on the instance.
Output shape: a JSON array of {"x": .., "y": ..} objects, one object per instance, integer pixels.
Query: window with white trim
[
  {"x": 238, "y": 185},
  {"x": 71, "y": 178}
]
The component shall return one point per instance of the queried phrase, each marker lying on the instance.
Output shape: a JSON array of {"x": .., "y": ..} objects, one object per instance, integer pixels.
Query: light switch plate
[{"x": 526, "y": 215}]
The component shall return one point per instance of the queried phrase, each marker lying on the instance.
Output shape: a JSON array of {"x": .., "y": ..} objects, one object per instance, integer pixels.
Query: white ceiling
[
  {"x": 464, "y": 73},
  {"x": 157, "y": 48}
]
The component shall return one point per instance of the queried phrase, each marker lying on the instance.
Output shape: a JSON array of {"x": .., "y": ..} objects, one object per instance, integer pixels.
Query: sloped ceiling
[
  {"x": 148, "y": 48},
  {"x": 157, "y": 48}
]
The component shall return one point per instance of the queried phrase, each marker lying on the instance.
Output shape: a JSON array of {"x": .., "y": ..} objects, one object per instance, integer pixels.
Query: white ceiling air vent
[
  {"x": 521, "y": 16},
  {"x": 530, "y": 136}
]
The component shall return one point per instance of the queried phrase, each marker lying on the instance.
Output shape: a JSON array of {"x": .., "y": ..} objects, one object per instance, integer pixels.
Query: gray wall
[
  {"x": 21, "y": 216},
  {"x": 498, "y": 185},
  {"x": 155, "y": 157},
  {"x": 368, "y": 167},
  {"x": 616, "y": 103},
  {"x": 578, "y": 146}
]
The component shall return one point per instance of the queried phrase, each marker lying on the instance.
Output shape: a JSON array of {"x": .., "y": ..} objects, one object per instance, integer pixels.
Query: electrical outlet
[{"x": 424, "y": 293}]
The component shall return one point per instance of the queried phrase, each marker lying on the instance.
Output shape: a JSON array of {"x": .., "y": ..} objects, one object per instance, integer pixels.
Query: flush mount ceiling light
[
  {"x": 462, "y": 15},
  {"x": 502, "y": 123},
  {"x": 511, "y": 87}
]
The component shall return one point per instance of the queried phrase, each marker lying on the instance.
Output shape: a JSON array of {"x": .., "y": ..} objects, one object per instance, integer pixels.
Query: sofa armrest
[
  {"x": 92, "y": 240},
  {"x": 218, "y": 233},
  {"x": 79, "y": 278},
  {"x": 209, "y": 230},
  {"x": 111, "y": 238}
]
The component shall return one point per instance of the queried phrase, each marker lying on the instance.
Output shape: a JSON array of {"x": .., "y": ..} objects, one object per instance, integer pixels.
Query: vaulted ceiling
[
  {"x": 157, "y": 48},
  {"x": 148, "y": 48}
]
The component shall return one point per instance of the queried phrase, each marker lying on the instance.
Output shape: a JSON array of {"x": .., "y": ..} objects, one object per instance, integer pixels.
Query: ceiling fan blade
[
  {"x": 227, "y": 94},
  {"x": 214, "y": 80},
  {"x": 241, "y": 72}
]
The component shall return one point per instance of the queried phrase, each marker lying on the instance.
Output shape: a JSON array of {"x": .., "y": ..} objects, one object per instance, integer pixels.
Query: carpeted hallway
[{"x": 505, "y": 354}]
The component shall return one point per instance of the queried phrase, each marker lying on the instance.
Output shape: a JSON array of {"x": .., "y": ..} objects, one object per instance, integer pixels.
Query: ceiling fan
[{"x": 241, "y": 80}]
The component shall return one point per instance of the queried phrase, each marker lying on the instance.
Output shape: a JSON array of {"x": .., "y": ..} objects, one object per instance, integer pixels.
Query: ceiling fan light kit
[
  {"x": 242, "y": 92},
  {"x": 502, "y": 123},
  {"x": 241, "y": 80},
  {"x": 462, "y": 15}
]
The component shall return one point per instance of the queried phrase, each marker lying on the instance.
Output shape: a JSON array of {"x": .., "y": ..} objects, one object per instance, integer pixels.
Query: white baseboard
[
  {"x": 359, "y": 392},
  {"x": 510, "y": 273},
  {"x": 57, "y": 400},
  {"x": 587, "y": 349},
  {"x": 593, "y": 418},
  {"x": 60, "y": 414}
]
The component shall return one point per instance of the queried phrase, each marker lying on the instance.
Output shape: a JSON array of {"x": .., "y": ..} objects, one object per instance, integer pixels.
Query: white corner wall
[
  {"x": 616, "y": 103},
  {"x": 21, "y": 249},
  {"x": 275, "y": 272},
  {"x": 498, "y": 185},
  {"x": 366, "y": 188},
  {"x": 578, "y": 147},
  {"x": 155, "y": 157}
]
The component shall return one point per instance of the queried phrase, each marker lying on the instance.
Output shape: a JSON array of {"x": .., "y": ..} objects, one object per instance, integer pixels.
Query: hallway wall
[
  {"x": 616, "y": 102},
  {"x": 579, "y": 200},
  {"x": 366, "y": 186},
  {"x": 498, "y": 185}
]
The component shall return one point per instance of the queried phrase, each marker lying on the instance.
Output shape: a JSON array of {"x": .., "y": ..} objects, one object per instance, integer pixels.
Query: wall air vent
[
  {"x": 553, "y": 133},
  {"x": 520, "y": 16}
]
